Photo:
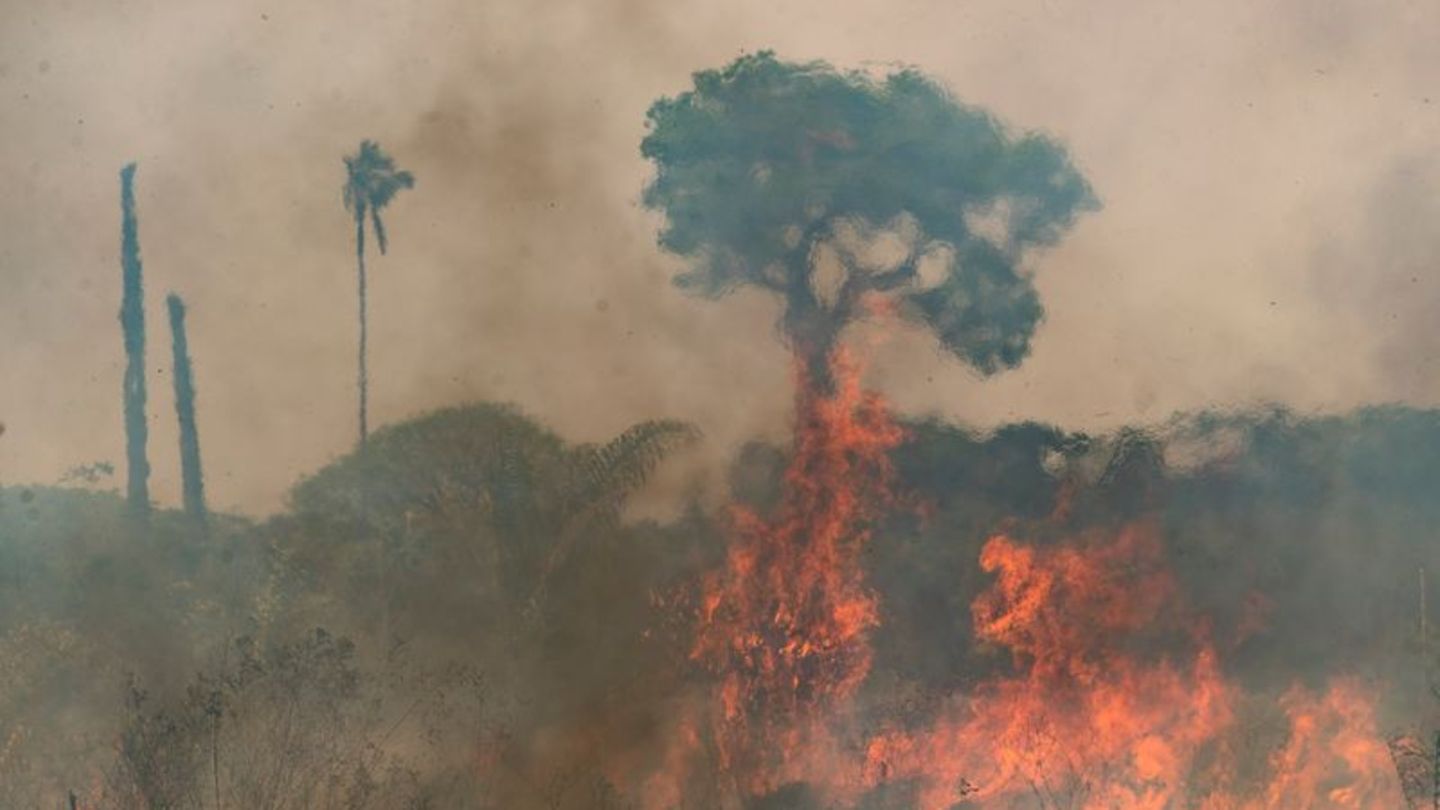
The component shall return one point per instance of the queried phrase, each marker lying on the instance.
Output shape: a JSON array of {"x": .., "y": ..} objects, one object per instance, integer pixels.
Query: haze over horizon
[{"x": 1268, "y": 176}]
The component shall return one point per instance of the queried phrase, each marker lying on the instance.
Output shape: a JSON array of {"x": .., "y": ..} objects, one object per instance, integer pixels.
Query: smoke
[
  {"x": 1224, "y": 161},
  {"x": 1381, "y": 273},
  {"x": 1247, "y": 252}
]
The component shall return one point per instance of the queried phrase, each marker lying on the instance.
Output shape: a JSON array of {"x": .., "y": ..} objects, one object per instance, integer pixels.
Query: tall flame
[
  {"x": 1115, "y": 698},
  {"x": 784, "y": 625}
]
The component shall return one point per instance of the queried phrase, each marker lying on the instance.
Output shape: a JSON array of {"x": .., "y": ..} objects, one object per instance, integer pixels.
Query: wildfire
[
  {"x": 1334, "y": 756},
  {"x": 1086, "y": 721},
  {"x": 785, "y": 623},
  {"x": 1115, "y": 698},
  {"x": 1118, "y": 701}
]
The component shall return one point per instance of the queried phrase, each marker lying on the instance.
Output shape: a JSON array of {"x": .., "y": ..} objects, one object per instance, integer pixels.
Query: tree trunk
[
  {"x": 363, "y": 382},
  {"x": 364, "y": 386},
  {"x": 132, "y": 323},
  {"x": 192, "y": 477},
  {"x": 814, "y": 333}
]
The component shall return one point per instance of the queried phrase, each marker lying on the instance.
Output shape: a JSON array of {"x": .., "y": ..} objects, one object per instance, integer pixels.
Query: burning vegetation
[
  {"x": 892, "y": 613},
  {"x": 1115, "y": 695},
  {"x": 1114, "y": 692}
]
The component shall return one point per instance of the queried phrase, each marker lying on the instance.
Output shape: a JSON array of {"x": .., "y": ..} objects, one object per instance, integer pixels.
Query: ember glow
[{"x": 1115, "y": 697}]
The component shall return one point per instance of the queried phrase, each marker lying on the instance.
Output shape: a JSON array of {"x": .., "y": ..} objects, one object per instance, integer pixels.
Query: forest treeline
[{"x": 460, "y": 615}]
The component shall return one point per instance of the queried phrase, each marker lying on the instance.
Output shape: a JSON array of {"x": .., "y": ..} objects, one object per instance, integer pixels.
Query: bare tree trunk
[
  {"x": 364, "y": 382},
  {"x": 132, "y": 323},
  {"x": 183, "y": 376}
]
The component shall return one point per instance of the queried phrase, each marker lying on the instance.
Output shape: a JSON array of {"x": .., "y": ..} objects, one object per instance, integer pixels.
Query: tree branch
[{"x": 890, "y": 279}]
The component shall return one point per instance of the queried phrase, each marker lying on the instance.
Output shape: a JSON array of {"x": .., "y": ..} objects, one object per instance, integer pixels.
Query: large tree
[
  {"x": 831, "y": 188},
  {"x": 371, "y": 182}
]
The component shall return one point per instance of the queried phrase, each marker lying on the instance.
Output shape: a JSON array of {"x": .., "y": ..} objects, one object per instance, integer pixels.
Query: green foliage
[
  {"x": 490, "y": 459},
  {"x": 536, "y": 638},
  {"x": 85, "y": 595},
  {"x": 69, "y": 555},
  {"x": 1317, "y": 527},
  {"x": 608, "y": 474},
  {"x": 478, "y": 489},
  {"x": 765, "y": 164},
  {"x": 504, "y": 548},
  {"x": 371, "y": 182}
]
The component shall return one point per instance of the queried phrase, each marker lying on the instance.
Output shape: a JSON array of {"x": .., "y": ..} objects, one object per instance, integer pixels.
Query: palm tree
[{"x": 371, "y": 181}]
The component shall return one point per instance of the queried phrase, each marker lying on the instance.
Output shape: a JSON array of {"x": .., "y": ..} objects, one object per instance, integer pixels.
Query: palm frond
[
  {"x": 611, "y": 472},
  {"x": 385, "y": 186},
  {"x": 379, "y": 226},
  {"x": 348, "y": 191},
  {"x": 371, "y": 182}
]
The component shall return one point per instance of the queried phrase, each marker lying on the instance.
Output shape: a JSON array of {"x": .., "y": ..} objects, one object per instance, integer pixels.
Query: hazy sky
[{"x": 1270, "y": 173}]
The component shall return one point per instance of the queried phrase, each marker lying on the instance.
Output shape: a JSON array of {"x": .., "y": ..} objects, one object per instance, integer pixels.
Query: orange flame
[
  {"x": 1085, "y": 722},
  {"x": 785, "y": 623},
  {"x": 1092, "y": 721},
  {"x": 1115, "y": 700},
  {"x": 1335, "y": 757}
]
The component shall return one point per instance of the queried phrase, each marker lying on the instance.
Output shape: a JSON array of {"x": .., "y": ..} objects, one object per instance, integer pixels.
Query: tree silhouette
[
  {"x": 477, "y": 494},
  {"x": 191, "y": 473},
  {"x": 132, "y": 324},
  {"x": 371, "y": 181},
  {"x": 832, "y": 189}
]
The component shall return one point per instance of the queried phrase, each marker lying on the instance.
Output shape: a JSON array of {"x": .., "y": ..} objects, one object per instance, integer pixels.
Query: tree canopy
[
  {"x": 371, "y": 181},
  {"x": 786, "y": 176}
]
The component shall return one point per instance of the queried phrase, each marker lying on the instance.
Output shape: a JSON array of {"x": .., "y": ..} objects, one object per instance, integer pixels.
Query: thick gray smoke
[{"x": 471, "y": 612}]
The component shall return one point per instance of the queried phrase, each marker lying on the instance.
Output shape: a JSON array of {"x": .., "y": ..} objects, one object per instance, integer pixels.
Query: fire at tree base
[{"x": 1113, "y": 692}]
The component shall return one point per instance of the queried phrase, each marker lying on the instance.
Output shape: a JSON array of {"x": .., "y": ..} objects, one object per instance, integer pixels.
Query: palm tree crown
[{"x": 371, "y": 181}]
